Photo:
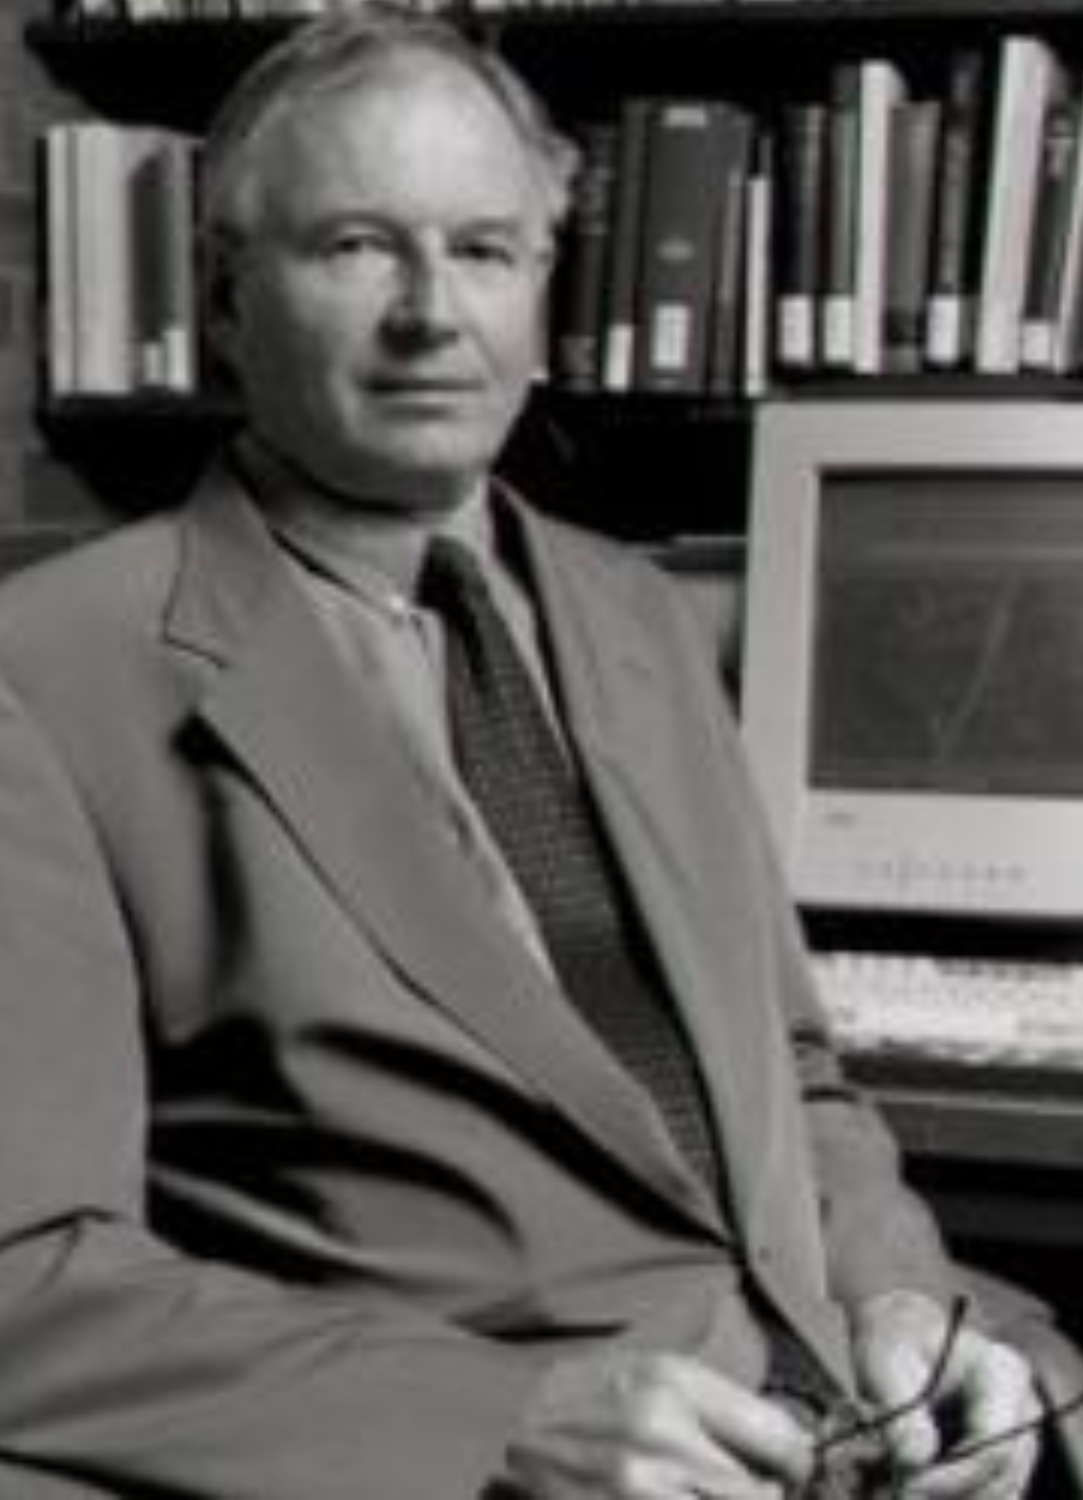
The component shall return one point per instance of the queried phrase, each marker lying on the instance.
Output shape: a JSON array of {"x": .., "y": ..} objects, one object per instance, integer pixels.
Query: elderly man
[{"x": 411, "y": 1086}]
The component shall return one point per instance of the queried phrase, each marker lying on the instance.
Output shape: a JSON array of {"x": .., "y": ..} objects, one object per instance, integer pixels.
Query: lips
[{"x": 425, "y": 386}]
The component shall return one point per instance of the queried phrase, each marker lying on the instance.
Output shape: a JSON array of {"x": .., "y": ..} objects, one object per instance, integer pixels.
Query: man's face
[{"x": 387, "y": 320}]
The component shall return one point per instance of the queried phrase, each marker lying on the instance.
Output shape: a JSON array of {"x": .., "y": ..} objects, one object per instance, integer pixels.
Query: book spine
[
  {"x": 102, "y": 304},
  {"x": 1025, "y": 84},
  {"x": 619, "y": 320},
  {"x": 880, "y": 91},
  {"x": 579, "y": 297},
  {"x": 840, "y": 221},
  {"x": 676, "y": 259},
  {"x": 914, "y": 145},
  {"x": 167, "y": 313},
  {"x": 799, "y": 237},
  {"x": 758, "y": 262},
  {"x": 1049, "y": 240},
  {"x": 57, "y": 170},
  {"x": 955, "y": 256},
  {"x": 727, "y": 286}
]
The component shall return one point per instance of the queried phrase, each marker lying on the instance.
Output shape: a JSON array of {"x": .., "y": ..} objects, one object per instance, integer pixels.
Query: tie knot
[{"x": 450, "y": 571}]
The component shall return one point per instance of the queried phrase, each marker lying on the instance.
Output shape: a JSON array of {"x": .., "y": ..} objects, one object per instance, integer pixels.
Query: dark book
[
  {"x": 736, "y": 136},
  {"x": 619, "y": 321},
  {"x": 167, "y": 311},
  {"x": 799, "y": 239},
  {"x": 580, "y": 290},
  {"x": 1052, "y": 233},
  {"x": 915, "y": 136},
  {"x": 678, "y": 223},
  {"x": 958, "y": 213},
  {"x": 840, "y": 220}
]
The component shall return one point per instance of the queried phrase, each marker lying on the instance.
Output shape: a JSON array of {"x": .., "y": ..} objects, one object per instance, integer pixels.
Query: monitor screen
[{"x": 912, "y": 681}]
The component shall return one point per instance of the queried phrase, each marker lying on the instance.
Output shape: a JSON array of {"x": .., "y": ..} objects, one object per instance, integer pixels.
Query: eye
[
  {"x": 490, "y": 252},
  {"x": 358, "y": 242}
]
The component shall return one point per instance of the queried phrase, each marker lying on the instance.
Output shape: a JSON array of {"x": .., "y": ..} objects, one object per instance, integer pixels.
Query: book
[
  {"x": 736, "y": 136},
  {"x": 580, "y": 291},
  {"x": 57, "y": 170},
  {"x": 619, "y": 319},
  {"x": 103, "y": 158},
  {"x": 840, "y": 220},
  {"x": 678, "y": 221},
  {"x": 798, "y": 241},
  {"x": 166, "y": 312},
  {"x": 881, "y": 89},
  {"x": 1028, "y": 79},
  {"x": 958, "y": 213},
  {"x": 1058, "y": 184},
  {"x": 758, "y": 261},
  {"x": 915, "y": 138}
]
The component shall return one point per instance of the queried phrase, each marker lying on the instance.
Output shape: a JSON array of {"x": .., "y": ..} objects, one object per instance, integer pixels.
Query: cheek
[
  {"x": 287, "y": 319},
  {"x": 515, "y": 334}
]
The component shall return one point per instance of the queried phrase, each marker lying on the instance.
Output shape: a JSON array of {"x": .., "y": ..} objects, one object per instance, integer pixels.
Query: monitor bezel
[{"x": 926, "y": 852}]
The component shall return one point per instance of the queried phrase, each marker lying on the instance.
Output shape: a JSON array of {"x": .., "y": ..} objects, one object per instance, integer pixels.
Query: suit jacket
[{"x": 304, "y": 1172}]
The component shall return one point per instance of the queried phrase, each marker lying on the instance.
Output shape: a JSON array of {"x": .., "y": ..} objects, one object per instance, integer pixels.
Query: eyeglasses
[{"x": 851, "y": 1455}]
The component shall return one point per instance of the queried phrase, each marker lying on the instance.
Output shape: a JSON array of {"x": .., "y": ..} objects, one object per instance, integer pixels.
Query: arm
[{"x": 126, "y": 1366}]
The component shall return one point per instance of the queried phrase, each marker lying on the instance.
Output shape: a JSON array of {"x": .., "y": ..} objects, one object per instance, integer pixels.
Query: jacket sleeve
[
  {"x": 127, "y": 1368},
  {"x": 877, "y": 1234}
]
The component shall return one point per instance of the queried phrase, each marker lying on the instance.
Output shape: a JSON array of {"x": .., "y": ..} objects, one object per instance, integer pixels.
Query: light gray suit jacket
[{"x": 304, "y": 1174}]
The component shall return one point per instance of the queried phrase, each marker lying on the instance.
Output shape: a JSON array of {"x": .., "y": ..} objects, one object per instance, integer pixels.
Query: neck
[{"x": 384, "y": 534}]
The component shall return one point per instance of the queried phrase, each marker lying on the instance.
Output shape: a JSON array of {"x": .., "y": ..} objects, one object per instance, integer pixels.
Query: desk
[{"x": 1003, "y": 1165}]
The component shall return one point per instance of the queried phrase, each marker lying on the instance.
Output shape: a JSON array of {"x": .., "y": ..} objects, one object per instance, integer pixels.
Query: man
[{"x": 314, "y": 1182}]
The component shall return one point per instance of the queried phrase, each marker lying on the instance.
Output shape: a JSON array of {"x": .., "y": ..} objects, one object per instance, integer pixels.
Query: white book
[
  {"x": 1028, "y": 76},
  {"x": 759, "y": 199},
  {"x": 104, "y": 158},
  {"x": 881, "y": 87},
  {"x": 59, "y": 309}
]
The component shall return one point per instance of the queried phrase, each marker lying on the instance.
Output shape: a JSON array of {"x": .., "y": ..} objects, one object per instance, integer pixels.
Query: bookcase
[{"x": 646, "y": 464}]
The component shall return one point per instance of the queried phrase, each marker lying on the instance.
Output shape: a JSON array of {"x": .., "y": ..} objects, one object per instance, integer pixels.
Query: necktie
[
  {"x": 524, "y": 783},
  {"x": 525, "y": 786}
]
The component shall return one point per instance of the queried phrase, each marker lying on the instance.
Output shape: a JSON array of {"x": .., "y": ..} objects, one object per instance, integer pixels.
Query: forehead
[{"x": 423, "y": 138}]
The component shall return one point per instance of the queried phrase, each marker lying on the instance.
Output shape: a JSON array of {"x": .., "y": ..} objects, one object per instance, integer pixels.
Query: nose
[{"x": 425, "y": 297}]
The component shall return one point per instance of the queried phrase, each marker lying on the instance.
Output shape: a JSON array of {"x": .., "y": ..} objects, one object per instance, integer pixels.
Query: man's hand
[
  {"x": 984, "y": 1389},
  {"x": 627, "y": 1425}
]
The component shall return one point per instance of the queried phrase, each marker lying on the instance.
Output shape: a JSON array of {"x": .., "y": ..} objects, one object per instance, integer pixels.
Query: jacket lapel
[
  {"x": 618, "y": 710},
  {"x": 287, "y": 711}
]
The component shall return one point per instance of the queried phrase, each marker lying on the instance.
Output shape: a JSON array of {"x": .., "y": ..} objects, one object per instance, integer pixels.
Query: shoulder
[
  {"x": 76, "y": 630},
  {"x": 121, "y": 573}
]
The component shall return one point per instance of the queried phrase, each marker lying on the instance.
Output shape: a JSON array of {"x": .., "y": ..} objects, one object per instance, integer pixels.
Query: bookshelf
[{"x": 648, "y": 465}]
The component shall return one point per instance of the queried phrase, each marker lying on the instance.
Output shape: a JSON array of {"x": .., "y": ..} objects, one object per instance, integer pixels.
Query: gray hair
[{"x": 340, "y": 50}]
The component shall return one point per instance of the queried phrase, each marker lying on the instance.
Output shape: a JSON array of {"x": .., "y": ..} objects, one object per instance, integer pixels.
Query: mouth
[{"x": 426, "y": 387}]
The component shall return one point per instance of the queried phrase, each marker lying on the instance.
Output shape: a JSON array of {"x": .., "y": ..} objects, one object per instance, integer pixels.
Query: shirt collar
[{"x": 372, "y": 555}]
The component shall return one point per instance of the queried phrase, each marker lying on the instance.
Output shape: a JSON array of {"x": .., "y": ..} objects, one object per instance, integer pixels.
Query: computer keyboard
[{"x": 983, "y": 1012}]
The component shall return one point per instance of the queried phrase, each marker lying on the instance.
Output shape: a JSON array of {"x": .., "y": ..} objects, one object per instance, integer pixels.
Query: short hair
[{"x": 340, "y": 49}]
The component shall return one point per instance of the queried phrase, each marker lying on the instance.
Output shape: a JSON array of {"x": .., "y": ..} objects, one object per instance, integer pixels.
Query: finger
[
  {"x": 1002, "y": 1472},
  {"x": 895, "y": 1376},
  {"x": 996, "y": 1383},
  {"x": 760, "y": 1432}
]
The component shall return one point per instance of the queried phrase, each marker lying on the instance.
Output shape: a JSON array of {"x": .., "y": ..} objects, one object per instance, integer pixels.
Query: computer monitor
[{"x": 912, "y": 660}]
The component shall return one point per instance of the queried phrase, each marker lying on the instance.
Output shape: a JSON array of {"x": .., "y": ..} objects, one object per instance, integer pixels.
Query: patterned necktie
[{"x": 524, "y": 784}]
